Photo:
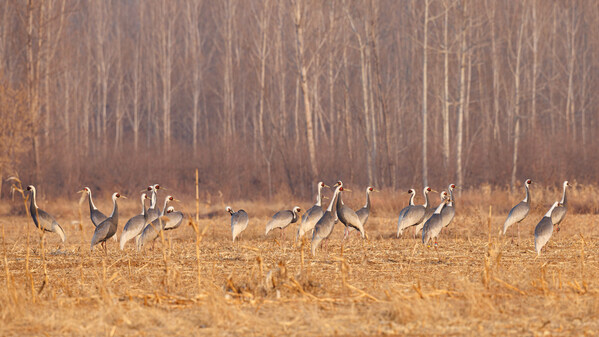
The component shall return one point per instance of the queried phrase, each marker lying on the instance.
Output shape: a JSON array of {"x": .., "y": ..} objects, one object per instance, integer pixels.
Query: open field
[{"x": 474, "y": 283}]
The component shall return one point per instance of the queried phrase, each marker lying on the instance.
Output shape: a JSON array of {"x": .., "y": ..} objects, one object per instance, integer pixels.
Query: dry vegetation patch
[{"x": 475, "y": 282}]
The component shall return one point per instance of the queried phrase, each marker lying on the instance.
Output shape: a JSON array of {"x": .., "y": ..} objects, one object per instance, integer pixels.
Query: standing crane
[
  {"x": 174, "y": 218},
  {"x": 42, "y": 220},
  {"x": 239, "y": 221},
  {"x": 153, "y": 229},
  {"x": 347, "y": 216},
  {"x": 432, "y": 227},
  {"x": 402, "y": 213},
  {"x": 364, "y": 212},
  {"x": 414, "y": 215},
  {"x": 135, "y": 225},
  {"x": 520, "y": 211},
  {"x": 107, "y": 228},
  {"x": 544, "y": 229},
  {"x": 311, "y": 217},
  {"x": 448, "y": 211},
  {"x": 559, "y": 213},
  {"x": 282, "y": 219},
  {"x": 324, "y": 226}
]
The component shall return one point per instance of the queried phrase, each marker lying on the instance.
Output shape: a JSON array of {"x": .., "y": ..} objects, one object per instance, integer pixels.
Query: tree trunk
[{"x": 299, "y": 30}]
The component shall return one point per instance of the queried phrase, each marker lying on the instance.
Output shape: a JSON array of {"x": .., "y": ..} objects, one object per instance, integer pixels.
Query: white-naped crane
[
  {"x": 153, "y": 211},
  {"x": 347, "y": 216},
  {"x": 42, "y": 220},
  {"x": 135, "y": 225},
  {"x": 402, "y": 213},
  {"x": 364, "y": 212},
  {"x": 324, "y": 226},
  {"x": 282, "y": 219},
  {"x": 559, "y": 213},
  {"x": 414, "y": 215},
  {"x": 432, "y": 226},
  {"x": 311, "y": 216},
  {"x": 107, "y": 228},
  {"x": 174, "y": 218},
  {"x": 544, "y": 229},
  {"x": 239, "y": 221},
  {"x": 520, "y": 211},
  {"x": 153, "y": 229},
  {"x": 448, "y": 211}
]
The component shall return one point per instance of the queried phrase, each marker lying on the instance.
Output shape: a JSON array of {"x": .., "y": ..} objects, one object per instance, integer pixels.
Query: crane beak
[
  {"x": 124, "y": 197},
  {"x": 327, "y": 186},
  {"x": 325, "y": 197},
  {"x": 80, "y": 191},
  {"x": 434, "y": 191},
  {"x": 346, "y": 190}
]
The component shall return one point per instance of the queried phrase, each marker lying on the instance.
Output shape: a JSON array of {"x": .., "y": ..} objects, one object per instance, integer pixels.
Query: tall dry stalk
[
  {"x": 164, "y": 257},
  {"x": 17, "y": 186},
  {"x": 199, "y": 237}
]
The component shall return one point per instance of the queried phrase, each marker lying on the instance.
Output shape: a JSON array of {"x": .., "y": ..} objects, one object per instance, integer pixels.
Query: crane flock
[{"x": 148, "y": 225}]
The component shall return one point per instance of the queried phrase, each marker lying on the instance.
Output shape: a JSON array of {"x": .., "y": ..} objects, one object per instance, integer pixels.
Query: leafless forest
[{"x": 266, "y": 96}]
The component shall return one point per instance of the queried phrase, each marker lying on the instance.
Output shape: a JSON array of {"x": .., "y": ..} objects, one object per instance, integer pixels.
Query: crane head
[
  {"x": 30, "y": 188},
  {"x": 452, "y": 186},
  {"x": 371, "y": 189},
  {"x": 296, "y": 209},
  {"x": 229, "y": 209},
  {"x": 170, "y": 209},
  {"x": 528, "y": 181}
]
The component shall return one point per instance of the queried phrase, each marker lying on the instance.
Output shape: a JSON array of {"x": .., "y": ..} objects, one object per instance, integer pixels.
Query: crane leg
[{"x": 345, "y": 233}]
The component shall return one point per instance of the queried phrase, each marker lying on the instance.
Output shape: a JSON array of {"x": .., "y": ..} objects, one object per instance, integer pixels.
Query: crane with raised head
[{"x": 42, "y": 220}]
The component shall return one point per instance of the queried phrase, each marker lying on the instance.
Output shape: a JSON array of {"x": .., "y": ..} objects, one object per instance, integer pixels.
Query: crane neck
[
  {"x": 295, "y": 216},
  {"x": 451, "y": 199},
  {"x": 33, "y": 204},
  {"x": 319, "y": 196},
  {"x": 527, "y": 198},
  {"x": 412, "y": 199},
  {"x": 440, "y": 207},
  {"x": 115, "y": 210},
  {"x": 153, "y": 203},
  {"x": 564, "y": 198},
  {"x": 91, "y": 202},
  {"x": 166, "y": 200},
  {"x": 548, "y": 214},
  {"x": 367, "y": 206},
  {"x": 426, "y": 203},
  {"x": 143, "y": 204},
  {"x": 333, "y": 199}
]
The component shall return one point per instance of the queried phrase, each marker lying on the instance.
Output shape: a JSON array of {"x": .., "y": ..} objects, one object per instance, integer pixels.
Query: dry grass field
[{"x": 474, "y": 283}]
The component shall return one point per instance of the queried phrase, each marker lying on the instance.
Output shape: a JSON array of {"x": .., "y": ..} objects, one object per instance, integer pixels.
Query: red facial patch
[
  {"x": 529, "y": 181},
  {"x": 149, "y": 188},
  {"x": 371, "y": 189},
  {"x": 118, "y": 195},
  {"x": 340, "y": 188},
  {"x": 429, "y": 189},
  {"x": 452, "y": 186}
]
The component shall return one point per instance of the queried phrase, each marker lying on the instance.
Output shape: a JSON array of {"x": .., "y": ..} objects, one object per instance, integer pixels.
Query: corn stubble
[{"x": 195, "y": 281}]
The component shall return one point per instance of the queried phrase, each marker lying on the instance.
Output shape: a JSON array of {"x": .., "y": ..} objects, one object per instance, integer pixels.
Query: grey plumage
[
  {"x": 432, "y": 227},
  {"x": 311, "y": 216},
  {"x": 107, "y": 228},
  {"x": 282, "y": 219},
  {"x": 153, "y": 212},
  {"x": 364, "y": 212},
  {"x": 175, "y": 218},
  {"x": 239, "y": 221},
  {"x": 544, "y": 229},
  {"x": 135, "y": 225},
  {"x": 153, "y": 229},
  {"x": 324, "y": 226},
  {"x": 348, "y": 217},
  {"x": 95, "y": 215},
  {"x": 414, "y": 215},
  {"x": 559, "y": 213},
  {"x": 520, "y": 211},
  {"x": 42, "y": 219},
  {"x": 404, "y": 210},
  {"x": 448, "y": 211}
]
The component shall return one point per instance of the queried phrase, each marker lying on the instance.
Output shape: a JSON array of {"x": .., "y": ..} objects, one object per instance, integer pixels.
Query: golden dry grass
[{"x": 474, "y": 283}]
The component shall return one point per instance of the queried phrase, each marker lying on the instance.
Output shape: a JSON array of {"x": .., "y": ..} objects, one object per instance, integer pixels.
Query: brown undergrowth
[{"x": 195, "y": 281}]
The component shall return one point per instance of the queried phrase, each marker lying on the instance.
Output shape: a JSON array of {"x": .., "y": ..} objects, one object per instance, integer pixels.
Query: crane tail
[{"x": 60, "y": 232}]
